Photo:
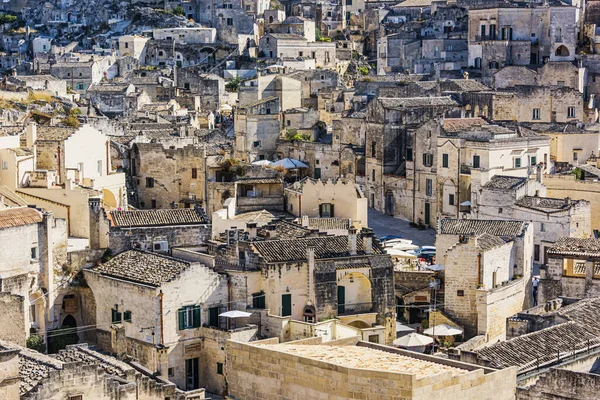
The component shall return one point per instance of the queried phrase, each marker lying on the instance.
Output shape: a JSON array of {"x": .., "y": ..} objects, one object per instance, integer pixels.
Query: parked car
[{"x": 385, "y": 238}]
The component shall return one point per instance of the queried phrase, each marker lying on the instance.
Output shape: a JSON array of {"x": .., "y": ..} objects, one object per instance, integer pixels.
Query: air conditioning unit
[{"x": 161, "y": 246}]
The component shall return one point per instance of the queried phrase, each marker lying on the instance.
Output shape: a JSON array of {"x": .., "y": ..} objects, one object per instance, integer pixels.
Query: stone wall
[
  {"x": 562, "y": 384},
  {"x": 257, "y": 373},
  {"x": 12, "y": 308},
  {"x": 121, "y": 239},
  {"x": 495, "y": 306}
]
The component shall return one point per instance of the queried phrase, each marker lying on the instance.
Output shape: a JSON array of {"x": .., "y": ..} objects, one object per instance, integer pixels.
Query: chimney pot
[{"x": 352, "y": 241}]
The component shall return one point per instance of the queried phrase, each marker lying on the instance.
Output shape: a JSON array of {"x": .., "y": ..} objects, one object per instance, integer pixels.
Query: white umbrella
[
  {"x": 235, "y": 314},
  {"x": 405, "y": 246},
  {"x": 290, "y": 163},
  {"x": 262, "y": 163},
  {"x": 435, "y": 267},
  {"x": 443, "y": 330},
  {"x": 413, "y": 340},
  {"x": 226, "y": 107},
  {"x": 399, "y": 253},
  {"x": 466, "y": 203}
]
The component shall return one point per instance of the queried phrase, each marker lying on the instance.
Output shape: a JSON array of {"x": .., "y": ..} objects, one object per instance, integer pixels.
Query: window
[
  {"x": 99, "y": 166},
  {"x": 532, "y": 160},
  {"x": 444, "y": 160},
  {"x": 476, "y": 161},
  {"x": 116, "y": 317},
  {"x": 300, "y": 53},
  {"x": 373, "y": 148},
  {"x": 127, "y": 316},
  {"x": 560, "y": 83},
  {"x": 500, "y": 210},
  {"x": 258, "y": 300},
  {"x": 542, "y": 227},
  {"x": 149, "y": 182},
  {"x": 230, "y": 21},
  {"x": 219, "y": 368},
  {"x": 289, "y": 122},
  {"x": 348, "y": 2},
  {"x": 373, "y": 175},
  {"x": 575, "y": 156},
  {"x": 76, "y": 397},
  {"x": 536, "y": 252},
  {"x": 571, "y": 112},
  {"x": 536, "y": 113},
  {"x": 460, "y": 293},
  {"x": 409, "y": 154},
  {"x": 153, "y": 203},
  {"x": 4, "y": 165},
  {"x": 256, "y": 143},
  {"x": 326, "y": 210},
  {"x": 34, "y": 253},
  {"x": 373, "y": 338},
  {"x": 517, "y": 162},
  {"x": 80, "y": 86},
  {"x": 427, "y": 160},
  {"x": 189, "y": 317},
  {"x": 451, "y": 199},
  {"x": 194, "y": 173},
  {"x": 428, "y": 187}
]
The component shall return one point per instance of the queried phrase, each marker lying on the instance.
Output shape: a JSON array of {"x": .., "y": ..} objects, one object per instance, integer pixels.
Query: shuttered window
[{"x": 189, "y": 317}]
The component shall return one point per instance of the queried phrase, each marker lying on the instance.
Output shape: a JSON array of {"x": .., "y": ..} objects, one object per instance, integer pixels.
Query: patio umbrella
[
  {"x": 235, "y": 314},
  {"x": 413, "y": 340},
  {"x": 443, "y": 330},
  {"x": 466, "y": 203},
  {"x": 405, "y": 246},
  {"x": 290, "y": 163},
  {"x": 399, "y": 253},
  {"x": 262, "y": 163}
]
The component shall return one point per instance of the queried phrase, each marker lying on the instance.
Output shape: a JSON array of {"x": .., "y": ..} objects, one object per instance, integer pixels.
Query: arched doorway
[
  {"x": 389, "y": 203},
  {"x": 354, "y": 294},
  {"x": 562, "y": 51}
]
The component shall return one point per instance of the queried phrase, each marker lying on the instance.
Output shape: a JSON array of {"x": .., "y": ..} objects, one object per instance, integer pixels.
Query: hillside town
[{"x": 290, "y": 199}]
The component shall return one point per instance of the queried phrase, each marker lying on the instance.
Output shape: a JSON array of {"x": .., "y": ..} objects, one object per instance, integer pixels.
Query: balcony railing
[{"x": 355, "y": 308}]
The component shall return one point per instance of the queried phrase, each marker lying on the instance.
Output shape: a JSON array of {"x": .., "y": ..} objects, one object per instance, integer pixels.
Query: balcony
[
  {"x": 465, "y": 169},
  {"x": 355, "y": 308}
]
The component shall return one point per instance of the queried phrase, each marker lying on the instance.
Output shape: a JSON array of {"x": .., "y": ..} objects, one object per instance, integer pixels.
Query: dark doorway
[
  {"x": 341, "y": 299},
  {"x": 192, "y": 380},
  {"x": 286, "y": 305},
  {"x": 66, "y": 335},
  {"x": 389, "y": 203},
  {"x": 427, "y": 214}
]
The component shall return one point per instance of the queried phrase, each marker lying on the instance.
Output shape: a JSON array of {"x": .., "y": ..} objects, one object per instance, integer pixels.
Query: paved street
[{"x": 385, "y": 225}]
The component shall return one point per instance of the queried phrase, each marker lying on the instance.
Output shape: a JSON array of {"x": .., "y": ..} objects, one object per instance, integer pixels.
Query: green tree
[
  {"x": 233, "y": 85},
  {"x": 36, "y": 342},
  {"x": 178, "y": 11}
]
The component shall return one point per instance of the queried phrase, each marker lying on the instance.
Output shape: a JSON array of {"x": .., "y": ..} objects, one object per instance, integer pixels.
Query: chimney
[
  {"x": 367, "y": 238},
  {"x": 538, "y": 173},
  {"x": 305, "y": 220},
  {"x": 31, "y": 134},
  {"x": 251, "y": 227},
  {"x": 352, "y": 241},
  {"x": 310, "y": 259}
]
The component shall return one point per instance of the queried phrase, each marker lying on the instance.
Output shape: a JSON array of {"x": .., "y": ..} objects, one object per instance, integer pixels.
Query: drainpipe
[
  {"x": 479, "y": 269},
  {"x": 162, "y": 325},
  {"x": 228, "y": 293},
  {"x": 414, "y": 154}
]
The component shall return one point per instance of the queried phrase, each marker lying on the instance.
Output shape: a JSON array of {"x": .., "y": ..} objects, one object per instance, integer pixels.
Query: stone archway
[
  {"x": 354, "y": 294},
  {"x": 562, "y": 51}
]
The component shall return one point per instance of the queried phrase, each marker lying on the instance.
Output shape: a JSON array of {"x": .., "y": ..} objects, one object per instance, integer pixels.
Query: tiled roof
[
  {"x": 462, "y": 85},
  {"x": 459, "y": 124},
  {"x": 505, "y": 182},
  {"x": 53, "y": 133},
  {"x": 19, "y": 216},
  {"x": 180, "y": 216},
  {"x": 585, "y": 312},
  {"x": 255, "y": 181},
  {"x": 487, "y": 242},
  {"x": 325, "y": 224},
  {"x": 590, "y": 170},
  {"x": 295, "y": 249},
  {"x": 539, "y": 347},
  {"x": 146, "y": 268},
  {"x": 546, "y": 204},
  {"x": 567, "y": 246},
  {"x": 478, "y": 227},
  {"x": 398, "y": 103}
]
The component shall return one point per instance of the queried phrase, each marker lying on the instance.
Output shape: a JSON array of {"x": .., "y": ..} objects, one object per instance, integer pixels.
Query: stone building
[
  {"x": 49, "y": 83},
  {"x": 315, "y": 198},
  {"x": 487, "y": 277},
  {"x": 553, "y": 73},
  {"x": 116, "y": 100},
  {"x": 285, "y": 45},
  {"x": 186, "y": 35},
  {"x": 315, "y": 278},
  {"x": 27, "y": 271},
  {"x": 80, "y": 75},
  {"x": 500, "y": 36},
  {"x": 287, "y": 89},
  {"x": 78, "y": 373},
  {"x": 156, "y": 309},
  {"x": 571, "y": 269},
  {"x": 152, "y": 230},
  {"x": 515, "y": 198},
  {"x": 350, "y": 368},
  {"x": 209, "y": 88},
  {"x": 397, "y": 52},
  {"x": 257, "y": 128}
]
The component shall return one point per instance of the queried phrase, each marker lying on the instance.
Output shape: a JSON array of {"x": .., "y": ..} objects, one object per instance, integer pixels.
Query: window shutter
[
  {"x": 331, "y": 208},
  {"x": 119, "y": 317},
  {"x": 113, "y": 315},
  {"x": 196, "y": 311},
  {"x": 320, "y": 210},
  {"x": 181, "y": 313}
]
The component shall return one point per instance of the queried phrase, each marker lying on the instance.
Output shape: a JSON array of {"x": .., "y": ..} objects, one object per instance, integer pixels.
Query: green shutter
[
  {"x": 181, "y": 313},
  {"x": 113, "y": 316},
  {"x": 196, "y": 316}
]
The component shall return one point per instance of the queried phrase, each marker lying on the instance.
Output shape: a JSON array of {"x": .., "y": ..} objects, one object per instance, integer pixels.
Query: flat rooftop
[{"x": 366, "y": 358}]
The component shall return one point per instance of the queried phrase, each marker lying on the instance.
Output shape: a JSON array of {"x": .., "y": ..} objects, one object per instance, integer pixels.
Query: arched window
[{"x": 562, "y": 51}]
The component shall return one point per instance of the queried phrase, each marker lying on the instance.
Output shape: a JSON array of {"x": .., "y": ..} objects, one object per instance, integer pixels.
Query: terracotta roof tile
[
  {"x": 146, "y": 268},
  {"x": 136, "y": 218},
  {"x": 568, "y": 246},
  {"x": 505, "y": 182},
  {"x": 19, "y": 216},
  {"x": 478, "y": 227}
]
